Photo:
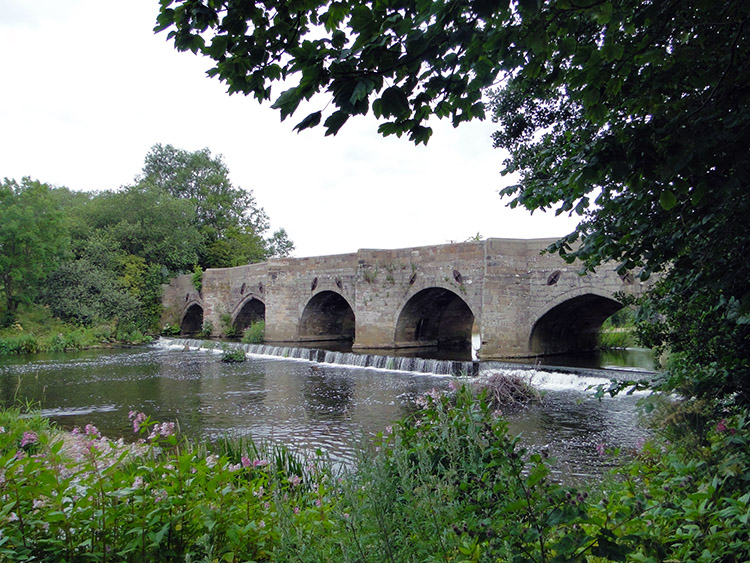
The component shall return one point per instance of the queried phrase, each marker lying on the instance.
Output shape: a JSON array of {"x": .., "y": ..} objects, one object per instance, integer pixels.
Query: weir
[{"x": 375, "y": 361}]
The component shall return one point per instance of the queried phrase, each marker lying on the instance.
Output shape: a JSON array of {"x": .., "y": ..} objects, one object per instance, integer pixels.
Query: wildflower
[
  {"x": 296, "y": 509},
  {"x": 267, "y": 505},
  {"x": 2, "y": 429},
  {"x": 388, "y": 430},
  {"x": 92, "y": 430},
  {"x": 165, "y": 430},
  {"x": 246, "y": 462},
  {"x": 259, "y": 492},
  {"x": 138, "y": 482},
  {"x": 138, "y": 419},
  {"x": 295, "y": 480},
  {"x": 232, "y": 468},
  {"x": 260, "y": 462},
  {"x": 640, "y": 443},
  {"x": 211, "y": 460},
  {"x": 452, "y": 385},
  {"x": 20, "y": 454},
  {"x": 29, "y": 437},
  {"x": 600, "y": 449},
  {"x": 13, "y": 517},
  {"x": 262, "y": 524},
  {"x": 38, "y": 503}
]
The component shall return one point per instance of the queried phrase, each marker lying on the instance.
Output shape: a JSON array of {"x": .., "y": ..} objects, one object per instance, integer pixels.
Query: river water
[{"x": 308, "y": 405}]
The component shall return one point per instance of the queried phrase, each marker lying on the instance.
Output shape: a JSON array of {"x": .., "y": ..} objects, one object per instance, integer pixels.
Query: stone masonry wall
[{"x": 507, "y": 284}]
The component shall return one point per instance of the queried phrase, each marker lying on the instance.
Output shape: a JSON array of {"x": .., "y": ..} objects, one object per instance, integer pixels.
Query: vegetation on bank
[
  {"x": 445, "y": 484},
  {"x": 37, "y": 330},
  {"x": 99, "y": 259}
]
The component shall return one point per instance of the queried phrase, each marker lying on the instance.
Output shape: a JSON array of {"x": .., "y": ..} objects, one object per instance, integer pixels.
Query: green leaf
[
  {"x": 335, "y": 121},
  {"x": 394, "y": 102},
  {"x": 667, "y": 200},
  {"x": 287, "y": 102},
  {"x": 310, "y": 121}
]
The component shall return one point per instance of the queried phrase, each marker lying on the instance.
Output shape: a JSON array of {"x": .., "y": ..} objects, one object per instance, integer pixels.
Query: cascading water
[{"x": 390, "y": 363}]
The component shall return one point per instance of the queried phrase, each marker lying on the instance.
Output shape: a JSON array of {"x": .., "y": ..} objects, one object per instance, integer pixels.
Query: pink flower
[
  {"x": 246, "y": 461},
  {"x": 262, "y": 524},
  {"x": 91, "y": 430},
  {"x": 29, "y": 438},
  {"x": 720, "y": 427},
  {"x": 295, "y": 480},
  {"x": 260, "y": 462},
  {"x": 139, "y": 418},
  {"x": 600, "y": 449}
]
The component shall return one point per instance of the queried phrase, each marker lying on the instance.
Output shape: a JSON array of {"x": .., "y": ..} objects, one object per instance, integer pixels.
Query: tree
[
  {"x": 148, "y": 222},
  {"x": 33, "y": 239},
  {"x": 634, "y": 115},
  {"x": 231, "y": 223},
  {"x": 84, "y": 293},
  {"x": 405, "y": 60}
]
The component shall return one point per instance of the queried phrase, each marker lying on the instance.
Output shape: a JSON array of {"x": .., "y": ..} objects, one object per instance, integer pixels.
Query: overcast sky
[{"x": 88, "y": 88}]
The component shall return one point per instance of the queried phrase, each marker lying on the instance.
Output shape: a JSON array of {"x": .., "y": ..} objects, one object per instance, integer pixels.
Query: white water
[{"x": 545, "y": 380}]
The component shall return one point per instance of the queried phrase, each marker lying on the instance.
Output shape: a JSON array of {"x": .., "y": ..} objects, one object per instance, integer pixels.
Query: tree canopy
[
  {"x": 232, "y": 225},
  {"x": 634, "y": 115},
  {"x": 33, "y": 240}
]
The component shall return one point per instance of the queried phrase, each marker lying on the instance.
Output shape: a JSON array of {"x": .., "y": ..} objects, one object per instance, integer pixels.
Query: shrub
[
  {"x": 232, "y": 356},
  {"x": 207, "y": 329},
  {"x": 255, "y": 333},
  {"x": 170, "y": 329}
]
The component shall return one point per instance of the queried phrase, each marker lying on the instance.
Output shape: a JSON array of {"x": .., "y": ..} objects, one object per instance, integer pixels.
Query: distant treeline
[{"x": 101, "y": 258}]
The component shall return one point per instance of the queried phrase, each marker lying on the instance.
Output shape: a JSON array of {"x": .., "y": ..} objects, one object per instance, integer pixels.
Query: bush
[
  {"x": 255, "y": 333},
  {"x": 445, "y": 484},
  {"x": 227, "y": 327},
  {"x": 207, "y": 329},
  {"x": 232, "y": 356}
]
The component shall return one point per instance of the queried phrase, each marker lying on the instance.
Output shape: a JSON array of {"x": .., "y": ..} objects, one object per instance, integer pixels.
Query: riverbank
[
  {"x": 447, "y": 484},
  {"x": 37, "y": 330}
]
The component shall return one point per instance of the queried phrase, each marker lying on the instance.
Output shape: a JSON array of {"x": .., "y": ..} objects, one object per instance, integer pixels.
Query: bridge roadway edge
[{"x": 508, "y": 285}]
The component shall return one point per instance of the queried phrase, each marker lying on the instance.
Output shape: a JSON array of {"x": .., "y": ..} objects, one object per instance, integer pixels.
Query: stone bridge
[{"x": 518, "y": 301}]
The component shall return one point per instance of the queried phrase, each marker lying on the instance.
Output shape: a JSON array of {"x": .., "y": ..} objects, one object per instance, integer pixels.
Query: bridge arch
[
  {"x": 435, "y": 316},
  {"x": 192, "y": 319},
  {"x": 571, "y": 323},
  {"x": 251, "y": 310},
  {"x": 328, "y": 316}
]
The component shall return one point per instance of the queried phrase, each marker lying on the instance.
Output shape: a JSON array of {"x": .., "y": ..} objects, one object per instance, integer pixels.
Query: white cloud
[{"x": 88, "y": 89}]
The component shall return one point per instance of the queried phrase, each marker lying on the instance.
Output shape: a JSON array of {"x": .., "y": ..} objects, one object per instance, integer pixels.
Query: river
[{"x": 307, "y": 405}]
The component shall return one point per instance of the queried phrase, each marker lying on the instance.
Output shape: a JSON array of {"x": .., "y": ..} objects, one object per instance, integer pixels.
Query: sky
[{"x": 88, "y": 89}]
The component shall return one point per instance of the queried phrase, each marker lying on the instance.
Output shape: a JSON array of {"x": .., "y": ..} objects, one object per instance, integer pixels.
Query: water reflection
[{"x": 306, "y": 405}]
